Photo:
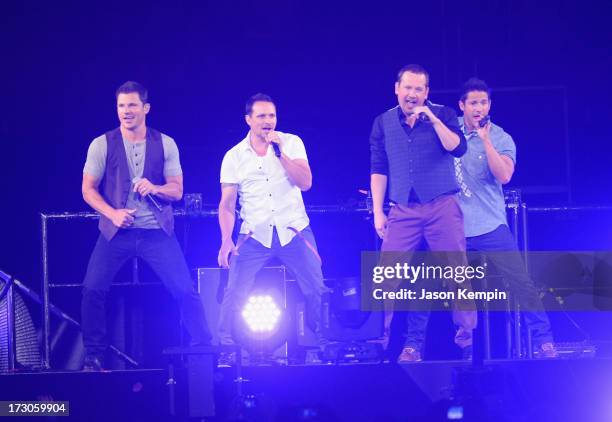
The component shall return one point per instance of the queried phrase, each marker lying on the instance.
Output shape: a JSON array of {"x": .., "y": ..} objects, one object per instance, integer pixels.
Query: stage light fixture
[
  {"x": 261, "y": 313},
  {"x": 261, "y": 326}
]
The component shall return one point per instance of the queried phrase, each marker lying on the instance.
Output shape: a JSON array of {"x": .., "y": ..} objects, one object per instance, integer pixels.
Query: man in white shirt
[{"x": 267, "y": 171}]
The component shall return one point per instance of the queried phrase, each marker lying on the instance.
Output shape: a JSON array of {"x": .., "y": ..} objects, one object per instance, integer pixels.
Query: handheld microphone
[
  {"x": 486, "y": 119},
  {"x": 277, "y": 150},
  {"x": 422, "y": 116},
  {"x": 150, "y": 197}
]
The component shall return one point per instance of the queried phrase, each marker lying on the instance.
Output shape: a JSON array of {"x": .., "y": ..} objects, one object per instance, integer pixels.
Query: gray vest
[
  {"x": 418, "y": 161},
  {"x": 116, "y": 184}
]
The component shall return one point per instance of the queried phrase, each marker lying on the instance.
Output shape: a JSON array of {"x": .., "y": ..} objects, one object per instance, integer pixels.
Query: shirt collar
[
  {"x": 464, "y": 129},
  {"x": 400, "y": 113},
  {"x": 402, "y": 117},
  {"x": 245, "y": 145},
  {"x": 494, "y": 131}
]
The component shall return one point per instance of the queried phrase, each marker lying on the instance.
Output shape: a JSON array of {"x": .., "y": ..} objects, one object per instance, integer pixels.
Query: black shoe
[
  {"x": 92, "y": 364},
  {"x": 206, "y": 343},
  {"x": 226, "y": 359},
  {"x": 467, "y": 353},
  {"x": 313, "y": 357}
]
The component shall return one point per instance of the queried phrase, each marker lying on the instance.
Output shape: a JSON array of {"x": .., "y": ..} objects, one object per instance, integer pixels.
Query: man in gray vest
[
  {"x": 412, "y": 147},
  {"x": 481, "y": 172},
  {"x": 131, "y": 176}
]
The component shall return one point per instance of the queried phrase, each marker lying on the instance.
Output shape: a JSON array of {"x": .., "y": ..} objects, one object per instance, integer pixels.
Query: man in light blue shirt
[{"x": 487, "y": 165}]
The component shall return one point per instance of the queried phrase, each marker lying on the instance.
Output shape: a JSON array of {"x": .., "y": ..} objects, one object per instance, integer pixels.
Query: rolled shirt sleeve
[
  {"x": 379, "y": 163},
  {"x": 449, "y": 118},
  {"x": 95, "y": 164},
  {"x": 172, "y": 162},
  {"x": 293, "y": 147},
  {"x": 229, "y": 171},
  {"x": 507, "y": 147}
]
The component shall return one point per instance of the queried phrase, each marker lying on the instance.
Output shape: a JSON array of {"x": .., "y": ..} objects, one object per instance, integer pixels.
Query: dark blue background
[{"x": 329, "y": 65}]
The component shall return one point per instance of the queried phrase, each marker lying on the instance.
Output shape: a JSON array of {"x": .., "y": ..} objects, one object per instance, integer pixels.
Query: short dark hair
[
  {"x": 131, "y": 86},
  {"x": 254, "y": 98},
  {"x": 474, "y": 84},
  {"x": 413, "y": 68}
]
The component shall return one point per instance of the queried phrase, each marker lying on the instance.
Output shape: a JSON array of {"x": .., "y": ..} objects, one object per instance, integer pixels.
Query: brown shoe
[
  {"x": 409, "y": 354},
  {"x": 546, "y": 351}
]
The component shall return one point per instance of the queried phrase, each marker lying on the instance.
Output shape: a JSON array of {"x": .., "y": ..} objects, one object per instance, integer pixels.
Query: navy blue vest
[
  {"x": 418, "y": 161},
  {"x": 117, "y": 183}
]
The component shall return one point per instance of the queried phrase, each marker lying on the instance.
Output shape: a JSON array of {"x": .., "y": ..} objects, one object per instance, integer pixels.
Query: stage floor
[{"x": 500, "y": 390}]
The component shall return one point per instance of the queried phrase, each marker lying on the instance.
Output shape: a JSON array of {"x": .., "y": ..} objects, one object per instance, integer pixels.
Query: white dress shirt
[{"x": 267, "y": 197}]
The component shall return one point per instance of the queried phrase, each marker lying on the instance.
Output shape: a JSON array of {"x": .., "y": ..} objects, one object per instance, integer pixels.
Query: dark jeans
[
  {"x": 440, "y": 223},
  {"x": 252, "y": 256},
  {"x": 509, "y": 263},
  {"x": 164, "y": 256}
]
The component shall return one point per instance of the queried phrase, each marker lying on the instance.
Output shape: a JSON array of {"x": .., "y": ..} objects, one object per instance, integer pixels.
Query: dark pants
[
  {"x": 440, "y": 223},
  {"x": 509, "y": 263},
  {"x": 252, "y": 256},
  {"x": 164, "y": 256}
]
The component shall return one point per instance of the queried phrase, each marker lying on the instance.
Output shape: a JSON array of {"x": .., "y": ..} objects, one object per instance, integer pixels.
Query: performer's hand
[
  {"x": 380, "y": 224},
  {"x": 144, "y": 187},
  {"x": 227, "y": 248},
  {"x": 424, "y": 109},
  {"x": 123, "y": 217},
  {"x": 272, "y": 136},
  {"x": 483, "y": 132}
]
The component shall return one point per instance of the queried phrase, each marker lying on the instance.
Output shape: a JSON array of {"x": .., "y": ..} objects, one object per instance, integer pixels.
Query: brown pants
[{"x": 440, "y": 223}]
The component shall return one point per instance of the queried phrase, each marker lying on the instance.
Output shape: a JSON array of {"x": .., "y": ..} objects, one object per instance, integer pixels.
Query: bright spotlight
[{"x": 261, "y": 314}]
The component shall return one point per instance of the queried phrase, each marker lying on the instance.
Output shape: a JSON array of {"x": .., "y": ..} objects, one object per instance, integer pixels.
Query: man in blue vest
[
  {"x": 412, "y": 147},
  {"x": 131, "y": 176},
  {"x": 487, "y": 165}
]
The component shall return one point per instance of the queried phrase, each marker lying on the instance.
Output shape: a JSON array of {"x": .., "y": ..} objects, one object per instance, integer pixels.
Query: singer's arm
[
  {"x": 120, "y": 217},
  {"x": 450, "y": 140},
  {"x": 378, "y": 187},
  {"x": 446, "y": 127},
  {"x": 227, "y": 219},
  {"x": 379, "y": 168},
  {"x": 297, "y": 168},
  {"x": 298, "y": 171},
  {"x": 501, "y": 165},
  {"x": 172, "y": 190},
  {"x": 92, "y": 196}
]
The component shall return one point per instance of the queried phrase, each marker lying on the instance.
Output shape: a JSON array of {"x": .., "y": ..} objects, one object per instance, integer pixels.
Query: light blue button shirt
[{"x": 482, "y": 196}]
